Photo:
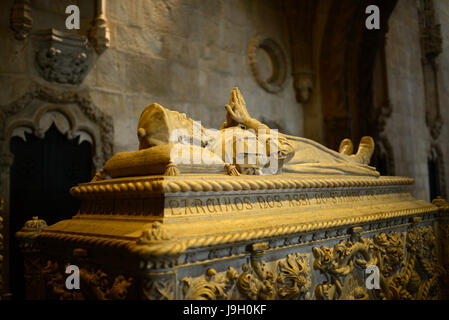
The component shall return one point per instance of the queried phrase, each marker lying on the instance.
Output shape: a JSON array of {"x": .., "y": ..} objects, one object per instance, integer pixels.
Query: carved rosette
[{"x": 293, "y": 279}]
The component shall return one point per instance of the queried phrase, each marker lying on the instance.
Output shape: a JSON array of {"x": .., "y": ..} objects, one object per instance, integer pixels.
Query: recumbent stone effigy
[{"x": 243, "y": 212}]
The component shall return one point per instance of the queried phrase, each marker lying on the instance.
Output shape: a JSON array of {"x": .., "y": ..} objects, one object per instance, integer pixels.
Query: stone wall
[
  {"x": 406, "y": 128},
  {"x": 186, "y": 55}
]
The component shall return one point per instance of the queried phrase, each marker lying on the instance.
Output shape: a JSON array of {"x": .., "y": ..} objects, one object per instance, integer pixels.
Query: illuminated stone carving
[
  {"x": 154, "y": 231},
  {"x": 242, "y": 143}
]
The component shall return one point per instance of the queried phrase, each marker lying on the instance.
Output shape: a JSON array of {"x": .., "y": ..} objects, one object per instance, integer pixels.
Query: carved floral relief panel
[{"x": 407, "y": 262}]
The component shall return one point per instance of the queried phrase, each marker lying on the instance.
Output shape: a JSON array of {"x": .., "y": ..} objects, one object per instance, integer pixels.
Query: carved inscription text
[{"x": 207, "y": 205}]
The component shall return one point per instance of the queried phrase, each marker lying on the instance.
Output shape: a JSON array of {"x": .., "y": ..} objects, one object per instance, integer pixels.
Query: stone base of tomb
[{"x": 245, "y": 237}]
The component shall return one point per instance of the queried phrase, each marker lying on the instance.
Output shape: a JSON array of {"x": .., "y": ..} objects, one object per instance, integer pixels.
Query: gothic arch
[
  {"x": 347, "y": 61},
  {"x": 73, "y": 113}
]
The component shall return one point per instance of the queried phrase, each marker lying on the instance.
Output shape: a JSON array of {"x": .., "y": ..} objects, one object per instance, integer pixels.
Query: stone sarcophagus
[
  {"x": 218, "y": 237},
  {"x": 330, "y": 229}
]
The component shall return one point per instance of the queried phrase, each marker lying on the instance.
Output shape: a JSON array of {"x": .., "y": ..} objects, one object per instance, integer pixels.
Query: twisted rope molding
[
  {"x": 86, "y": 240},
  {"x": 172, "y": 248},
  {"x": 285, "y": 230},
  {"x": 235, "y": 184}
]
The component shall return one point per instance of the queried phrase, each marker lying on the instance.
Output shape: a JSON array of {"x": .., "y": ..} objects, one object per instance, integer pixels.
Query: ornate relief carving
[
  {"x": 29, "y": 232},
  {"x": 45, "y": 277},
  {"x": 159, "y": 290},
  {"x": 407, "y": 262},
  {"x": 420, "y": 279},
  {"x": 293, "y": 280},
  {"x": 158, "y": 287},
  {"x": 103, "y": 286},
  {"x": 276, "y": 79},
  {"x": 211, "y": 286},
  {"x": 290, "y": 279},
  {"x": 62, "y": 57},
  {"x": 34, "y": 225},
  {"x": 95, "y": 115},
  {"x": 154, "y": 234},
  {"x": 95, "y": 284},
  {"x": 443, "y": 228},
  {"x": 21, "y": 19},
  {"x": 54, "y": 282},
  {"x": 257, "y": 282},
  {"x": 33, "y": 261},
  {"x": 417, "y": 279},
  {"x": 340, "y": 261},
  {"x": 390, "y": 248}
]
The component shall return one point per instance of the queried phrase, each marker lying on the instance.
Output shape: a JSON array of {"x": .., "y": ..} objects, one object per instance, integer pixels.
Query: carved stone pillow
[{"x": 156, "y": 160}]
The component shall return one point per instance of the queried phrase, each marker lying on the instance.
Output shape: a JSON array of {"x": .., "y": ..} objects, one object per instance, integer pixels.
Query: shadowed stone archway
[{"x": 74, "y": 115}]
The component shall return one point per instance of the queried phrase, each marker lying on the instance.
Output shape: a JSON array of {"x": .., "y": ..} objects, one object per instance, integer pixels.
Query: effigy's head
[
  {"x": 157, "y": 124},
  {"x": 152, "y": 128}
]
